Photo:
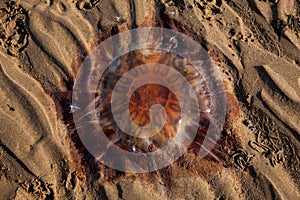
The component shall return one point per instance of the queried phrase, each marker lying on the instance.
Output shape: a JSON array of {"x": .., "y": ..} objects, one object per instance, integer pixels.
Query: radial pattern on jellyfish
[{"x": 150, "y": 94}]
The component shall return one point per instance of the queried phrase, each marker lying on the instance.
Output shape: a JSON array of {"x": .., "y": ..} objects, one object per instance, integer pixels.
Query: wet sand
[{"x": 255, "y": 48}]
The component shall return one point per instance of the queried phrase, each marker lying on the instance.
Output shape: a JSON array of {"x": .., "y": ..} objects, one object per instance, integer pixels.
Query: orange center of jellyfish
[
  {"x": 141, "y": 101},
  {"x": 151, "y": 94}
]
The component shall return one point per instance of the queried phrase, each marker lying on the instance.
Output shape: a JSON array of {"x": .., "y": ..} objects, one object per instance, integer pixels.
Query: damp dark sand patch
[{"x": 88, "y": 166}]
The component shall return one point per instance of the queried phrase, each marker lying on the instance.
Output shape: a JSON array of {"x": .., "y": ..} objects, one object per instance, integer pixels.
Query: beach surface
[{"x": 255, "y": 45}]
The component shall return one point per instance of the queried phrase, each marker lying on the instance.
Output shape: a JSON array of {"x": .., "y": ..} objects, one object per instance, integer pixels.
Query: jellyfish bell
[{"x": 154, "y": 102}]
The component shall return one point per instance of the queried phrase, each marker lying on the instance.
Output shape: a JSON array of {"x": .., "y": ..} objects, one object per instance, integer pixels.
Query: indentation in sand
[
  {"x": 283, "y": 84},
  {"x": 285, "y": 113}
]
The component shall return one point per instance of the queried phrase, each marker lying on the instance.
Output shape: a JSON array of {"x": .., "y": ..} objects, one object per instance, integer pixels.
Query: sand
[{"x": 255, "y": 49}]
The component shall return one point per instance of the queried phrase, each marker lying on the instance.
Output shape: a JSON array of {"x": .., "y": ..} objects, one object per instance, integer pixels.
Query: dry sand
[{"x": 256, "y": 50}]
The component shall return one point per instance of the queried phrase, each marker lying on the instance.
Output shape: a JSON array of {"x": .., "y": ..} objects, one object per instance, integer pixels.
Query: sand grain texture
[{"x": 253, "y": 47}]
